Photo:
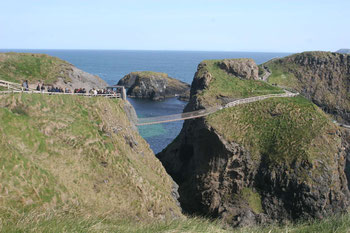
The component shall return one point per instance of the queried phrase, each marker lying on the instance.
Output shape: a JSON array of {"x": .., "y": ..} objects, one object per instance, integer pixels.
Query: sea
[{"x": 112, "y": 65}]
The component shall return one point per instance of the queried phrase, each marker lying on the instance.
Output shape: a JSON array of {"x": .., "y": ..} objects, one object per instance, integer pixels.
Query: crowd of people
[
  {"x": 94, "y": 91},
  {"x": 50, "y": 88}
]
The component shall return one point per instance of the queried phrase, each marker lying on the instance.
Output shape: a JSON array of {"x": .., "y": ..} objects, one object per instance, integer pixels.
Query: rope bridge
[
  {"x": 15, "y": 87},
  {"x": 205, "y": 112},
  {"x": 177, "y": 117}
]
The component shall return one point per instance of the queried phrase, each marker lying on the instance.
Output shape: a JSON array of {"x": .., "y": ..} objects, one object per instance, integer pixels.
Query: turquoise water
[{"x": 112, "y": 65}]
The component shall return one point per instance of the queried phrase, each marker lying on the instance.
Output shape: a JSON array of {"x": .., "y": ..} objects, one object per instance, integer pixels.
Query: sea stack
[{"x": 153, "y": 85}]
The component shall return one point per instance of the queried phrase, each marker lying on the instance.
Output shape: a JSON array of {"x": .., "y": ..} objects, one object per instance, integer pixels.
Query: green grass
[
  {"x": 68, "y": 222},
  {"x": 149, "y": 74},
  {"x": 253, "y": 199},
  {"x": 226, "y": 85},
  {"x": 62, "y": 153},
  {"x": 16, "y": 67},
  {"x": 314, "y": 79},
  {"x": 283, "y": 129},
  {"x": 281, "y": 76}
]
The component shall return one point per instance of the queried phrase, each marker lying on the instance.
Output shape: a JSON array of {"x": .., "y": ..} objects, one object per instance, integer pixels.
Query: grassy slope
[
  {"x": 16, "y": 67},
  {"x": 282, "y": 128},
  {"x": 63, "y": 222},
  {"x": 281, "y": 76},
  {"x": 149, "y": 74},
  {"x": 326, "y": 80},
  {"x": 60, "y": 154},
  {"x": 226, "y": 85}
]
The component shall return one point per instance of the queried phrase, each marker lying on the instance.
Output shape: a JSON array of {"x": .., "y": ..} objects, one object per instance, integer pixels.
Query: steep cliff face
[
  {"x": 322, "y": 77},
  {"x": 273, "y": 160},
  {"x": 346, "y": 51},
  {"x": 153, "y": 85},
  {"x": 35, "y": 68}
]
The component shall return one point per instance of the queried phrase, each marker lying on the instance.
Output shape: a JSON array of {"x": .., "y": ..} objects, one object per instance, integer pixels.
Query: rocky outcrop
[
  {"x": 275, "y": 160},
  {"x": 243, "y": 68},
  {"x": 80, "y": 79},
  {"x": 346, "y": 51},
  {"x": 153, "y": 85},
  {"x": 42, "y": 68},
  {"x": 322, "y": 77}
]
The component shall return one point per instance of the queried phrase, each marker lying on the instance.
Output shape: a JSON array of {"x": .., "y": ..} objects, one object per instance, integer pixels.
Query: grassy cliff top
[
  {"x": 292, "y": 71},
  {"x": 149, "y": 74},
  {"x": 79, "y": 156},
  {"x": 281, "y": 129},
  {"x": 159, "y": 75},
  {"x": 16, "y": 67},
  {"x": 226, "y": 85},
  {"x": 322, "y": 77}
]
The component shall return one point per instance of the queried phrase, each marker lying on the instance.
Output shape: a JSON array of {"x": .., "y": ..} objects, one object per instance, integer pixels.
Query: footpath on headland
[{"x": 17, "y": 88}]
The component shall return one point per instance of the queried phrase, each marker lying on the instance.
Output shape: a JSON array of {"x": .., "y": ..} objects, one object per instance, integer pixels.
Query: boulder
[{"x": 242, "y": 68}]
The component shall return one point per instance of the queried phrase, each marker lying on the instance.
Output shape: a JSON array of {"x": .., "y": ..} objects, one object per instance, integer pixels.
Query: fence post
[{"x": 123, "y": 93}]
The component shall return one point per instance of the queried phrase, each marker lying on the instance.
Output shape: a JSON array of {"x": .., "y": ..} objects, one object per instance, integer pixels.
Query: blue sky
[{"x": 218, "y": 25}]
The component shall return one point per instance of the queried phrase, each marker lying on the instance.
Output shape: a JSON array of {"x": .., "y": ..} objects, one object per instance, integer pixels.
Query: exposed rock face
[
  {"x": 346, "y": 51},
  {"x": 131, "y": 113},
  {"x": 322, "y": 77},
  {"x": 42, "y": 68},
  {"x": 244, "y": 68},
  {"x": 275, "y": 160},
  {"x": 78, "y": 79},
  {"x": 153, "y": 85}
]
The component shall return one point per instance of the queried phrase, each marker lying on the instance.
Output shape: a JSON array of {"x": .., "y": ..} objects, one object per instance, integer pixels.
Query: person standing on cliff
[{"x": 25, "y": 85}]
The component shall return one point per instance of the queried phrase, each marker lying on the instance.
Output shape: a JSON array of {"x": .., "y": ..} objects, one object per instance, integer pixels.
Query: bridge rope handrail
[{"x": 205, "y": 112}]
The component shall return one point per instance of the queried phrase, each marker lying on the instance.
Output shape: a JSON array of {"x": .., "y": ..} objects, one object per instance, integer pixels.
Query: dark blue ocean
[{"x": 112, "y": 65}]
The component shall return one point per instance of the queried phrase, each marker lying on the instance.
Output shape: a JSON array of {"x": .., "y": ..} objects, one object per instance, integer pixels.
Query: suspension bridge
[
  {"x": 205, "y": 112},
  {"x": 17, "y": 88}
]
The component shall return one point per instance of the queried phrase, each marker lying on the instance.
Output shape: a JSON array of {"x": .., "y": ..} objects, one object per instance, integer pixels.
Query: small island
[{"x": 153, "y": 85}]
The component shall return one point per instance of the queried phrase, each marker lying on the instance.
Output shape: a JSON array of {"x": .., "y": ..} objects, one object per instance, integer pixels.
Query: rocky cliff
[
  {"x": 346, "y": 51},
  {"x": 242, "y": 68},
  {"x": 153, "y": 85},
  {"x": 322, "y": 77},
  {"x": 275, "y": 160},
  {"x": 35, "y": 68}
]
